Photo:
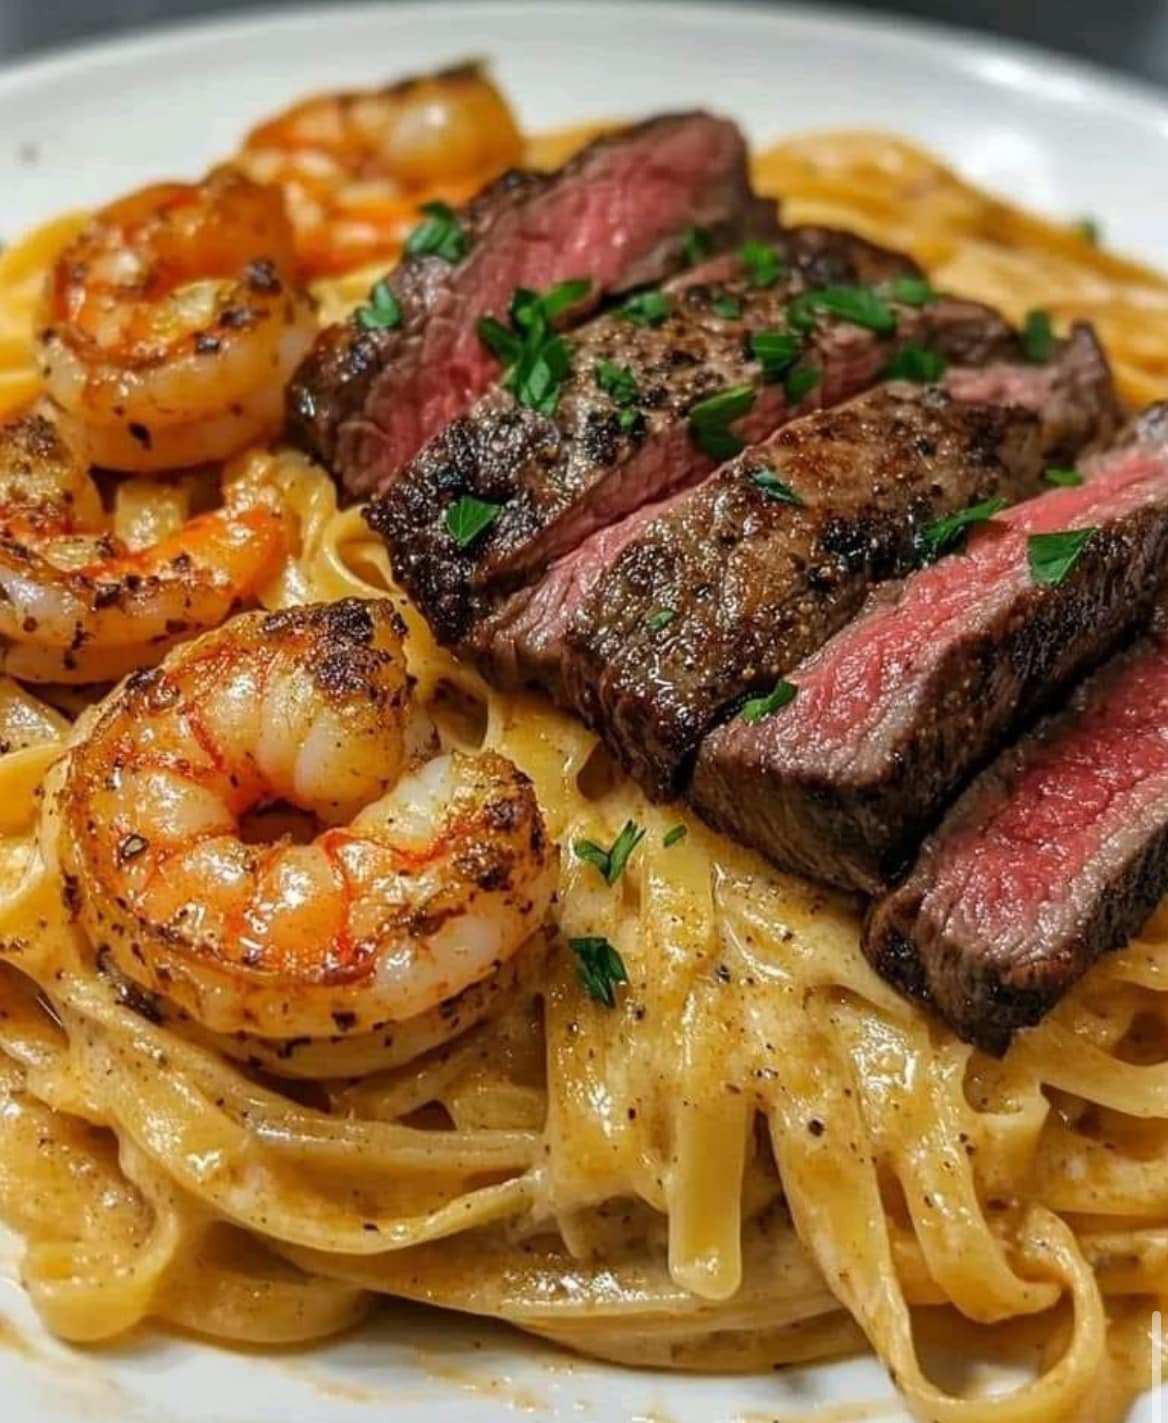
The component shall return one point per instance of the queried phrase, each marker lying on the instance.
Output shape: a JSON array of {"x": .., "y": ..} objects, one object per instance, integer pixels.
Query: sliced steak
[
  {"x": 731, "y": 587},
  {"x": 365, "y": 401},
  {"x": 896, "y": 712},
  {"x": 556, "y": 479},
  {"x": 1056, "y": 854}
]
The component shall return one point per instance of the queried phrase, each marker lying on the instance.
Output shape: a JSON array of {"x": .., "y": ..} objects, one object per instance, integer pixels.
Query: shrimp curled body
[
  {"x": 77, "y": 605},
  {"x": 172, "y": 323},
  {"x": 427, "y": 880}
]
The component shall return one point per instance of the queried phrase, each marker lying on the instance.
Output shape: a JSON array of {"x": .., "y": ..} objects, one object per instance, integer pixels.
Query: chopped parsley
[
  {"x": 468, "y": 517},
  {"x": 382, "y": 311},
  {"x": 726, "y": 306},
  {"x": 535, "y": 356},
  {"x": 916, "y": 363},
  {"x": 944, "y": 534},
  {"x": 1090, "y": 230},
  {"x": 862, "y": 306},
  {"x": 759, "y": 708},
  {"x": 1037, "y": 336},
  {"x": 599, "y": 967},
  {"x": 611, "y": 863},
  {"x": 910, "y": 291},
  {"x": 761, "y": 262},
  {"x": 439, "y": 234},
  {"x": 773, "y": 487},
  {"x": 696, "y": 244},
  {"x": 646, "y": 308},
  {"x": 660, "y": 618},
  {"x": 801, "y": 382},
  {"x": 776, "y": 351},
  {"x": 671, "y": 837},
  {"x": 1064, "y": 478},
  {"x": 617, "y": 381},
  {"x": 1052, "y": 556},
  {"x": 710, "y": 421}
]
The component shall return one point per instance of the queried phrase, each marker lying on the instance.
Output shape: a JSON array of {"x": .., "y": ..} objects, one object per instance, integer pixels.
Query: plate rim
[{"x": 970, "y": 50}]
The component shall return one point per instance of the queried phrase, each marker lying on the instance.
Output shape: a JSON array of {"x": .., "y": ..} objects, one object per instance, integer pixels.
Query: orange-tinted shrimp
[{"x": 172, "y": 323}]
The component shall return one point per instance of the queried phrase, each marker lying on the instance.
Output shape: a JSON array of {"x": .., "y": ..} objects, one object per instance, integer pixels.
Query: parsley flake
[
  {"x": 617, "y": 381},
  {"x": 696, "y": 244},
  {"x": 916, "y": 363},
  {"x": 759, "y": 708},
  {"x": 599, "y": 967},
  {"x": 776, "y": 351},
  {"x": 1090, "y": 230},
  {"x": 1037, "y": 337},
  {"x": 773, "y": 487},
  {"x": 710, "y": 421},
  {"x": 1064, "y": 478},
  {"x": 382, "y": 311},
  {"x": 468, "y": 517},
  {"x": 646, "y": 308},
  {"x": 439, "y": 234},
  {"x": 944, "y": 534},
  {"x": 671, "y": 837},
  {"x": 611, "y": 863},
  {"x": 761, "y": 262},
  {"x": 726, "y": 306},
  {"x": 535, "y": 357},
  {"x": 660, "y": 618},
  {"x": 861, "y": 306},
  {"x": 1052, "y": 556},
  {"x": 910, "y": 291},
  {"x": 801, "y": 382}
]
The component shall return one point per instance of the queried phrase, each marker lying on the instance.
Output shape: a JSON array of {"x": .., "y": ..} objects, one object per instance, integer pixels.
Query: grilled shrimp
[
  {"x": 355, "y": 167},
  {"x": 427, "y": 878},
  {"x": 172, "y": 322},
  {"x": 75, "y": 604}
]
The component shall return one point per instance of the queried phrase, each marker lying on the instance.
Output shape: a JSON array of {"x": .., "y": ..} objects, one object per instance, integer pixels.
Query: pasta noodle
[{"x": 761, "y": 1155}]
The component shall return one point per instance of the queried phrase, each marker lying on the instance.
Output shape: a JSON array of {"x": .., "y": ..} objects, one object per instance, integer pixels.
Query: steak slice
[
  {"x": 731, "y": 587},
  {"x": 900, "y": 707},
  {"x": 1056, "y": 854},
  {"x": 365, "y": 401},
  {"x": 556, "y": 479},
  {"x": 523, "y": 641}
]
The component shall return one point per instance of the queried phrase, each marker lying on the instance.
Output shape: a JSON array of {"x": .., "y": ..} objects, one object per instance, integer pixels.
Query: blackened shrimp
[
  {"x": 427, "y": 878},
  {"x": 172, "y": 323},
  {"x": 76, "y": 605}
]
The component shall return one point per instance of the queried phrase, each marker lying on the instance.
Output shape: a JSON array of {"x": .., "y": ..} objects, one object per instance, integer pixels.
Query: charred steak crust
[
  {"x": 1055, "y": 855},
  {"x": 756, "y": 584},
  {"x": 904, "y": 704},
  {"x": 364, "y": 401},
  {"x": 559, "y": 478}
]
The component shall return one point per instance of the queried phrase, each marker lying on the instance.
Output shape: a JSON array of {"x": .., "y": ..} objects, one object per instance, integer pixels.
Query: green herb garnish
[
  {"x": 671, "y": 837},
  {"x": 599, "y": 967},
  {"x": 646, "y": 308},
  {"x": 710, "y": 421},
  {"x": 534, "y": 355},
  {"x": 696, "y": 244},
  {"x": 617, "y": 381},
  {"x": 1052, "y": 556},
  {"x": 776, "y": 351},
  {"x": 759, "y": 708},
  {"x": 943, "y": 534},
  {"x": 1090, "y": 230},
  {"x": 910, "y": 291},
  {"x": 611, "y": 863},
  {"x": 862, "y": 306},
  {"x": 382, "y": 311},
  {"x": 1064, "y": 478},
  {"x": 439, "y": 234},
  {"x": 660, "y": 618},
  {"x": 801, "y": 382},
  {"x": 468, "y": 517},
  {"x": 761, "y": 263},
  {"x": 773, "y": 487},
  {"x": 1037, "y": 336},
  {"x": 916, "y": 363},
  {"x": 726, "y": 306}
]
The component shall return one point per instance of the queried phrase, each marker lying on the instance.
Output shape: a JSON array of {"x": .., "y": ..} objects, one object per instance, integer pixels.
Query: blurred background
[{"x": 1131, "y": 35}]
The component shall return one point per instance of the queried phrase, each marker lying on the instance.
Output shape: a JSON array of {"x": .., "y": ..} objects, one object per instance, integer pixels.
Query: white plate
[{"x": 78, "y": 129}]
